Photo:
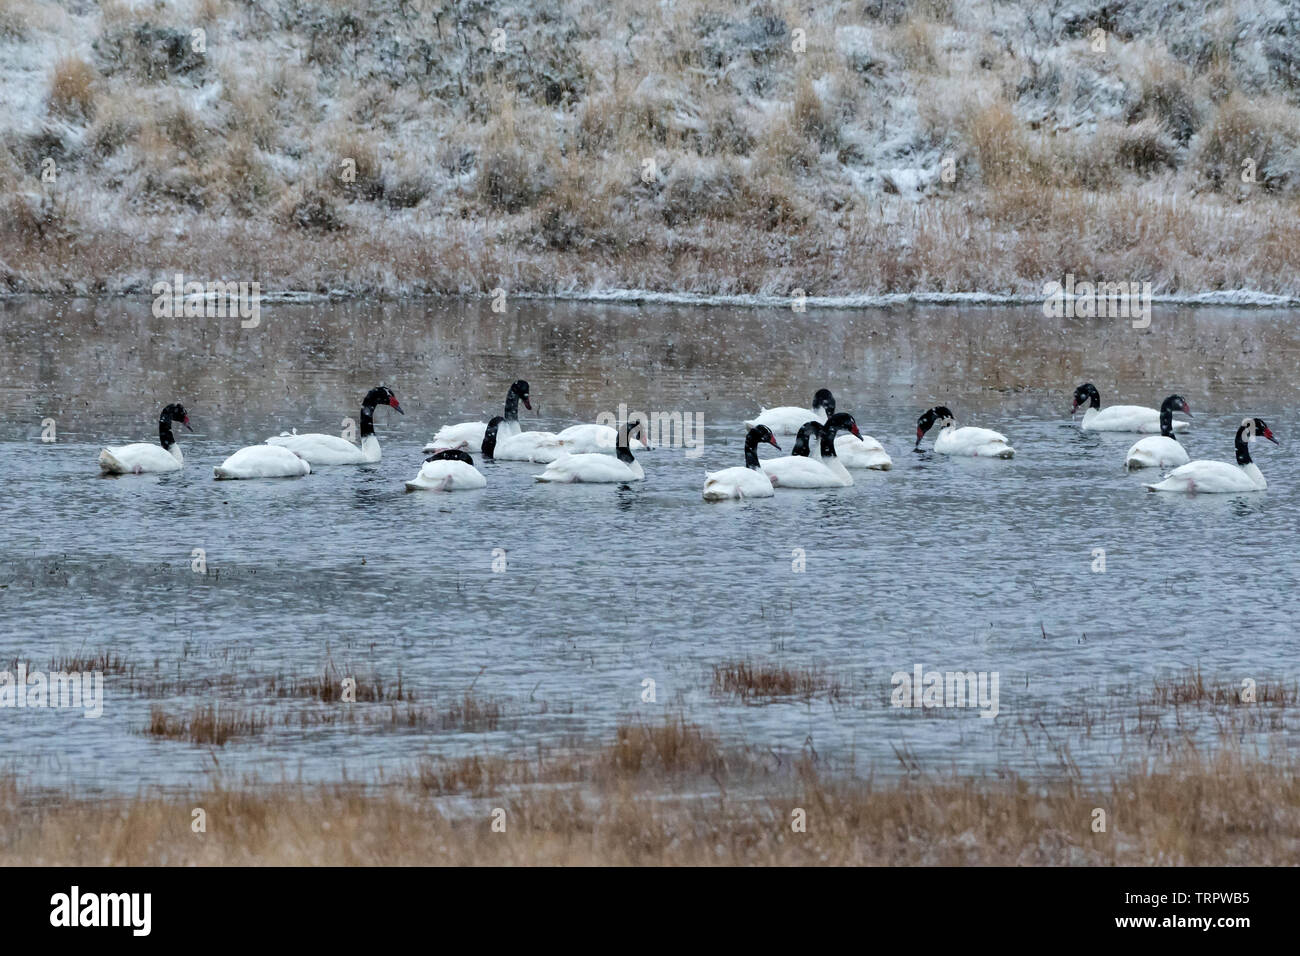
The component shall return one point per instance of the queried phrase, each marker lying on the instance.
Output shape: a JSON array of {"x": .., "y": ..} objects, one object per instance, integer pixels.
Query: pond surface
[{"x": 951, "y": 565}]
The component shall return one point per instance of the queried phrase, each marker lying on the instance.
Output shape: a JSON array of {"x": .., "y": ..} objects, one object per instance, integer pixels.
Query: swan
[
  {"x": 747, "y": 482},
  {"x": 862, "y": 451},
  {"x": 787, "y": 420},
  {"x": 1116, "y": 418},
  {"x": 317, "y": 449},
  {"x": 595, "y": 466},
  {"x": 262, "y": 461},
  {"x": 964, "y": 442},
  {"x": 450, "y": 470},
  {"x": 140, "y": 457},
  {"x": 1163, "y": 450},
  {"x": 468, "y": 436},
  {"x": 540, "y": 447},
  {"x": 582, "y": 439},
  {"x": 1219, "y": 477},
  {"x": 804, "y": 468}
]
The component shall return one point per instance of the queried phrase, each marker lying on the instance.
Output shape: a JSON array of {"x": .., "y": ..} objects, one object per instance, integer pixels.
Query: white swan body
[
  {"x": 1219, "y": 477},
  {"x": 864, "y": 453},
  {"x": 787, "y": 420},
  {"x": 140, "y": 457},
  {"x": 447, "y": 476},
  {"x": 1156, "y": 451},
  {"x": 540, "y": 447},
  {"x": 593, "y": 467},
  {"x": 749, "y": 481},
  {"x": 262, "y": 461},
  {"x": 798, "y": 471},
  {"x": 468, "y": 436},
  {"x": 584, "y": 439},
  {"x": 317, "y": 449},
  {"x": 738, "y": 482},
  {"x": 1126, "y": 418},
  {"x": 1212, "y": 477},
  {"x": 971, "y": 442}
]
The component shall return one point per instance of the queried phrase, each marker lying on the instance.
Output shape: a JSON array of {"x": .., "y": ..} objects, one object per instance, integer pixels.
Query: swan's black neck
[
  {"x": 367, "y": 419},
  {"x": 451, "y": 454},
  {"x": 803, "y": 438},
  {"x": 1167, "y": 423},
  {"x": 751, "y": 450},
  {"x": 512, "y": 407},
  {"x": 490, "y": 441},
  {"x": 165, "y": 436},
  {"x": 1243, "y": 447},
  {"x": 828, "y": 442},
  {"x": 624, "y": 449}
]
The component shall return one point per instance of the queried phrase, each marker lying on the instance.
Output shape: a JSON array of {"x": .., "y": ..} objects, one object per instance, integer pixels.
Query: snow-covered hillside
[{"x": 407, "y": 146}]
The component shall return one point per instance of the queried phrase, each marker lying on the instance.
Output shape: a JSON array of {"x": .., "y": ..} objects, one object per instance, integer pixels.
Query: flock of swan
[{"x": 827, "y": 444}]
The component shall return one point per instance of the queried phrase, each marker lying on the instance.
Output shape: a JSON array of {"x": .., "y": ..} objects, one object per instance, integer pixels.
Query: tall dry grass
[{"x": 676, "y": 803}]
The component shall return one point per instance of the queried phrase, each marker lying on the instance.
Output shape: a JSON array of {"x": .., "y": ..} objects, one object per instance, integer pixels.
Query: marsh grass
[
  {"x": 1191, "y": 687},
  {"x": 213, "y": 724},
  {"x": 759, "y": 682},
  {"x": 597, "y": 808}
]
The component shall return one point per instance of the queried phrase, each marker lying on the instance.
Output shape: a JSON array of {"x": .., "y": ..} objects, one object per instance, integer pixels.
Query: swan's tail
[
  {"x": 110, "y": 464},
  {"x": 419, "y": 483}
]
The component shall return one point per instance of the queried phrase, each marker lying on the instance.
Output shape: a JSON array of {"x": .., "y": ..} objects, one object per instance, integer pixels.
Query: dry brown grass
[
  {"x": 214, "y": 724},
  {"x": 1191, "y": 687},
  {"x": 1228, "y": 810},
  {"x": 72, "y": 89},
  {"x": 759, "y": 682}
]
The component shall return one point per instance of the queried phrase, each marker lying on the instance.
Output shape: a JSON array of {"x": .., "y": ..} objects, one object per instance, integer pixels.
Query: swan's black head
[
  {"x": 451, "y": 454},
  {"x": 761, "y": 435},
  {"x": 520, "y": 391},
  {"x": 490, "y": 437},
  {"x": 843, "y": 422},
  {"x": 839, "y": 422},
  {"x": 382, "y": 395},
  {"x": 1174, "y": 403},
  {"x": 1086, "y": 394},
  {"x": 824, "y": 399},
  {"x": 807, "y": 432},
  {"x": 929, "y": 418},
  {"x": 758, "y": 434},
  {"x": 174, "y": 413},
  {"x": 1251, "y": 429}
]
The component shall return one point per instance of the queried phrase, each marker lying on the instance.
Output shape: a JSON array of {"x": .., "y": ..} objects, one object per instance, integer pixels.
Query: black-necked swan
[
  {"x": 964, "y": 442},
  {"x": 583, "y": 439},
  {"x": 1116, "y": 418},
  {"x": 539, "y": 447},
  {"x": 140, "y": 457},
  {"x": 595, "y": 467},
  {"x": 803, "y": 469},
  {"x": 449, "y": 470},
  {"x": 862, "y": 451},
  {"x": 787, "y": 420},
  {"x": 1219, "y": 477},
  {"x": 1163, "y": 450},
  {"x": 262, "y": 461},
  {"x": 318, "y": 449},
  {"x": 468, "y": 436},
  {"x": 747, "y": 482}
]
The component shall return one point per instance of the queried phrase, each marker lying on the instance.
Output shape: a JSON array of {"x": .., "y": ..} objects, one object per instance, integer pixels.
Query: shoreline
[{"x": 1227, "y": 298}]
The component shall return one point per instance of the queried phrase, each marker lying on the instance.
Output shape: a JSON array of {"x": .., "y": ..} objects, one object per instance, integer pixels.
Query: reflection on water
[{"x": 953, "y": 565}]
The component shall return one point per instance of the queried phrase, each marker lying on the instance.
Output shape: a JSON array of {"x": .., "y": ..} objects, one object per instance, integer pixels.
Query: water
[{"x": 954, "y": 565}]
